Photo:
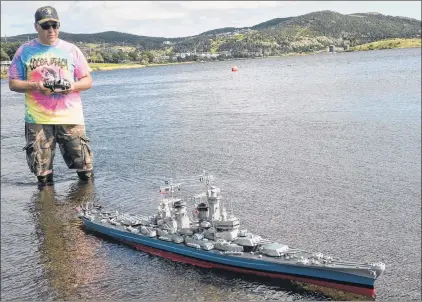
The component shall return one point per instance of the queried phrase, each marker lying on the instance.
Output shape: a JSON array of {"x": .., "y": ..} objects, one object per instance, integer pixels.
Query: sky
[{"x": 180, "y": 18}]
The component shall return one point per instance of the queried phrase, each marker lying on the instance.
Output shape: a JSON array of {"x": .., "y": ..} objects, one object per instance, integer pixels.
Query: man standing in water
[{"x": 52, "y": 116}]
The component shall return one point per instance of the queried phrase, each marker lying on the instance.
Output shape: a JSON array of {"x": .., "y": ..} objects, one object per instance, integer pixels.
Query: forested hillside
[{"x": 306, "y": 33}]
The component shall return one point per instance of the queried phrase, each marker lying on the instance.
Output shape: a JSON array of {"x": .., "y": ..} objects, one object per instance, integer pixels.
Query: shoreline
[
  {"x": 378, "y": 45},
  {"x": 116, "y": 66},
  {"x": 396, "y": 43}
]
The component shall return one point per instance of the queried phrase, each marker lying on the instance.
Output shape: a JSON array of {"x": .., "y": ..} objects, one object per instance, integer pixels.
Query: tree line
[{"x": 307, "y": 33}]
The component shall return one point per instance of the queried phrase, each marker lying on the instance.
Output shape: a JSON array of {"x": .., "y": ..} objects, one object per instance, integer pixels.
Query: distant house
[
  {"x": 208, "y": 55},
  {"x": 109, "y": 50},
  {"x": 226, "y": 52},
  {"x": 5, "y": 65}
]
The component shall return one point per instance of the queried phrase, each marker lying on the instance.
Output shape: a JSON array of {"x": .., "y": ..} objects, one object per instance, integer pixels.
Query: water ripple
[{"x": 319, "y": 152}]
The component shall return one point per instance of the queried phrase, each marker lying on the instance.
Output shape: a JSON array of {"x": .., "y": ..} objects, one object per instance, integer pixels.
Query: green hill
[
  {"x": 108, "y": 37},
  {"x": 218, "y": 31},
  {"x": 305, "y": 33},
  {"x": 271, "y": 23}
]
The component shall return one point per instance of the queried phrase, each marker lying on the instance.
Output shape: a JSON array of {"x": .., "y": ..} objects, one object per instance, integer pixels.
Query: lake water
[{"x": 321, "y": 152}]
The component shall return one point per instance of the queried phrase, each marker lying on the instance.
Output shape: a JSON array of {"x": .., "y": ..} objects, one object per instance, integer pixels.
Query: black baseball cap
[{"x": 46, "y": 13}]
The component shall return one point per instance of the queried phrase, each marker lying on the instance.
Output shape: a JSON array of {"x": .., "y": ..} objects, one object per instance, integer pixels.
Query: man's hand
[
  {"x": 83, "y": 84},
  {"x": 43, "y": 90},
  {"x": 67, "y": 91}
]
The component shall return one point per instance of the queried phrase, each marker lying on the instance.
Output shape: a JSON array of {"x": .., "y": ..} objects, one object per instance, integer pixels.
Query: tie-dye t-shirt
[{"x": 36, "y": 62}]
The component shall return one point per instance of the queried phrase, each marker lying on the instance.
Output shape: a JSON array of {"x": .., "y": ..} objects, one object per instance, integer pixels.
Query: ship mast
[{"x": 206, "y": 179}]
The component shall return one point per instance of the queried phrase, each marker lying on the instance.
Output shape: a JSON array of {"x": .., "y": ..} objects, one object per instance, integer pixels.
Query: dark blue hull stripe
[{"x": 258, "y": 265}]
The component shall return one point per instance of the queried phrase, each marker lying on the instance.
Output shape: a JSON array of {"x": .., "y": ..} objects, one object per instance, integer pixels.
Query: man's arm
[
  {"x": 23, "y": 86},
  {"x": 83, "y": 84},
  {"x": 81, "y": 72}
]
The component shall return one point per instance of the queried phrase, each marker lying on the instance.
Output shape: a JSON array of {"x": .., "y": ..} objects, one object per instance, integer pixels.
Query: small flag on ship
[{"x": 164, "y": 190}]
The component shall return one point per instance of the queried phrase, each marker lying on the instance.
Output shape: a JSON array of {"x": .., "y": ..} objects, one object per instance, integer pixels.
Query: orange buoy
[{"x": 234, "y": 68}]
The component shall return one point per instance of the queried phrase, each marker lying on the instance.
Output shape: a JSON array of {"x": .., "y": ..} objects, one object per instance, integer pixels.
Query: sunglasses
[{"x": 47, "y": 26}]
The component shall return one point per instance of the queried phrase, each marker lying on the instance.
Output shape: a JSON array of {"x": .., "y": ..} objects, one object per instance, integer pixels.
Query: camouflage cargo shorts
[{"x": 41, "y": 145}]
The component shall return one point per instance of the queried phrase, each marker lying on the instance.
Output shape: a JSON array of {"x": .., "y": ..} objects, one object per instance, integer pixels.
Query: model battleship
[{"x": 211, "y": 237}]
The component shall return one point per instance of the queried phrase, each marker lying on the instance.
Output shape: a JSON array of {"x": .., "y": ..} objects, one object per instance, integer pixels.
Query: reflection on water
[{"x": 67, "y": 254}]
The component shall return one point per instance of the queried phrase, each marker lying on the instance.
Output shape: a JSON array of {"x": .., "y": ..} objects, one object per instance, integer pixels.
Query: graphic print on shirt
[
  {"x": 35, "y": 62},
  {"x": 49, "y": 74},
  {"x": 60, "y": 62},
  {"x": 47, "y": 66}
]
